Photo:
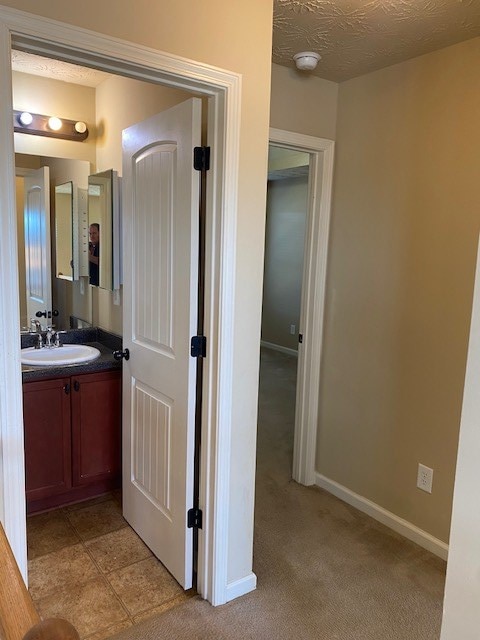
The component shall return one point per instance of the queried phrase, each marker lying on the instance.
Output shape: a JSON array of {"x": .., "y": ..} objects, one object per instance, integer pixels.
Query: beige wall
[
  {"x": 54, "y": 97},
  {"x": 213, "y": 32},
  {"x": 121, "y": 102},
  {"x": 303, "y": 103},
  {"x": 284, "y": 249},
  {"x": 402, "y": 256}
]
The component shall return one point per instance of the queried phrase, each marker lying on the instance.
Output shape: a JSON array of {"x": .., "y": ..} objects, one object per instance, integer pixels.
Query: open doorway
[
  {"x": 286, "y": 218},
  {"x": 222, "y": 91},
  {"x": 305, "y": 254},
  {"x": 82, "y": 534}
]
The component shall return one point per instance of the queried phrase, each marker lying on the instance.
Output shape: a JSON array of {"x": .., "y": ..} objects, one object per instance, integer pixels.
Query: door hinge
[
  {"x": 201, "y": 158},
  {"x": 194, "y": 518},
  {"x": 198, "y": 347},
  {"x": 300, "y": 338}
]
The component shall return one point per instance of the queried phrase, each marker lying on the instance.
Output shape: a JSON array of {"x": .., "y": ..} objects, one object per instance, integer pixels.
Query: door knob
[{"x": 119, "y": 355}]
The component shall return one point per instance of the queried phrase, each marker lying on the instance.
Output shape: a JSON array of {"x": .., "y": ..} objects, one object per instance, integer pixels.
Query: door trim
[
  {"x": 320, "y": 181},
  {"x": 48, "y": 37}
]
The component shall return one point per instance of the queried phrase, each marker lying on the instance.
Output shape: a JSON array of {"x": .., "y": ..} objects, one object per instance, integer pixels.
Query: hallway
[{"x": 325, "y": 571}]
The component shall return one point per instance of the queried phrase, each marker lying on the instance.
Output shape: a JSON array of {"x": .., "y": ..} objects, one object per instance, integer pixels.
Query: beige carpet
[{"x": 325, "y": 571}]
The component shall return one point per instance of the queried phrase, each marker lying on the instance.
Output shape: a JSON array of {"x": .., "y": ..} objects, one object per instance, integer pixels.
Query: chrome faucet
[
  {"x": 39, "y": 343},
  {"x": 35, "y": 326},
  {"x": 50, "y": 338}
]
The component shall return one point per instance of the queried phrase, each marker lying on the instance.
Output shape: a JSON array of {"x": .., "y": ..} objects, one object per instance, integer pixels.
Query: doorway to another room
[{"x": 286, "y": 217}]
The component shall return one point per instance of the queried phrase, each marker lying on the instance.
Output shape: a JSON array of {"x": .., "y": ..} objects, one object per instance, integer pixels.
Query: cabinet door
[
  {"x": 46, "y": 410},
  {"x": 96, "y": 427}
]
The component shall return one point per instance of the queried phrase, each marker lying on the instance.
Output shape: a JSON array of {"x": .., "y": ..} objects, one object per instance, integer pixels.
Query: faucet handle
[
  {"x": 35, "y": 326},
  {"x": 57, "y": 338}
]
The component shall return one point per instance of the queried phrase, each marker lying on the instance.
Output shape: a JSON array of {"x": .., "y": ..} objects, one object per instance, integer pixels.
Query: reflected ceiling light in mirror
[{"x": 52, "y": 126}]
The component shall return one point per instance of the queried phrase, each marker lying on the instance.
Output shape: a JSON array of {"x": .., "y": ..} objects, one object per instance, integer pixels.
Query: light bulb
[
  {"x": 25, "y": 118},
  {"x": 80, "y": 127},
  {"x": 55, "y": 124}
]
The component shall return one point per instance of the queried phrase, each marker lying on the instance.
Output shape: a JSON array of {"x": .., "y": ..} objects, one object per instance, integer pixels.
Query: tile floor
[{"x": 88, "y": 566}]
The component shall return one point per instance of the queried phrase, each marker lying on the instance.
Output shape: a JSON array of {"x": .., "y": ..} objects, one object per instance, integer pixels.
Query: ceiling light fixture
[
  {"x": 52, "y": 126},
  {"x": 306, "y": 60}
]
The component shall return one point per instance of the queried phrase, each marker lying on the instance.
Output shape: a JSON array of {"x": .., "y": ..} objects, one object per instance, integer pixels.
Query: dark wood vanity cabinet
[
  {"x": 96, "y": 421},
  {"x": 48, "y": 440},
  {"x": 72, "y": 429}
]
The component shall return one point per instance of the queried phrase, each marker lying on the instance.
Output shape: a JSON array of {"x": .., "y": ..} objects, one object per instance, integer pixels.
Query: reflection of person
[{"x": 94, "y": 253}]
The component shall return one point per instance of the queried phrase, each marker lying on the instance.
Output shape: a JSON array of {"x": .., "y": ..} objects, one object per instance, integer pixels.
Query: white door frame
[
  {"x": 48, "y": 37},
  {"x": 313, "y": 295}
]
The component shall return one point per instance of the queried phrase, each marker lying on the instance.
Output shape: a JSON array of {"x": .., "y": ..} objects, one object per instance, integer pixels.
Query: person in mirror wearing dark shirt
[{"x": 94, "y": 253}]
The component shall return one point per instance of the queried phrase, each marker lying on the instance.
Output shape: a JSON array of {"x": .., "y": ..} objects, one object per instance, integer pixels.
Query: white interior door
[
  {"x": 160, "y": 218},
  {"x": 37, "y": 242}
]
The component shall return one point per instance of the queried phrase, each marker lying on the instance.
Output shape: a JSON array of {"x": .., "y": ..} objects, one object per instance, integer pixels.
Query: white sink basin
[{"x": 68, "y": 354}]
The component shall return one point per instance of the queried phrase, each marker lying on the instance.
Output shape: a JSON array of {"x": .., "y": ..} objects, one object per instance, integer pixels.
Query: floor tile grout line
[
  {"x": 130, "y": 616},
  {"x": 82, "y": 538},
  {"x": 57, "y": 512},
  {"x": 131, "y": 564},
  {"x": 107, "y": 582}
]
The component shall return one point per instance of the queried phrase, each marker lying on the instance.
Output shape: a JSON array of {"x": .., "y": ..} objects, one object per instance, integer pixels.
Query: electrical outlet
[
  {"x": 292, "y": 329},
  {"x": 425, "y": 478}
]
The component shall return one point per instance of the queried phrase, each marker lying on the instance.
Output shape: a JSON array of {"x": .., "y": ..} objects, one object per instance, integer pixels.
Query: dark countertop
[{"x": 104, "y": 341}]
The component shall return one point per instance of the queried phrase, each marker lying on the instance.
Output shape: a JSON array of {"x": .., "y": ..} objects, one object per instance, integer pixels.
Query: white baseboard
[
  {"x": 241, "y": 587},
  {"x": 277, "y": 347},
  {"x": 389, "y": 519}
]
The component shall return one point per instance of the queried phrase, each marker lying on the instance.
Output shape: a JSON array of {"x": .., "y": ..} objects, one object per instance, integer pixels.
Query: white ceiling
[
  {"x": 56, "y": 69},
  {"x": 358, "y": 36}
]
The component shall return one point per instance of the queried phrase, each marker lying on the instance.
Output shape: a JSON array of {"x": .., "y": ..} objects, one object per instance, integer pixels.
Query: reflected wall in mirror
[
  {"x": 64, "y": 231},
  {"x": 102, "y": 204}
]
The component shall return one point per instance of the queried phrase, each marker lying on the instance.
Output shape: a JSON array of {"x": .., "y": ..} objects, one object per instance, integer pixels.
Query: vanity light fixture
[{"x": 52, "y": 126}]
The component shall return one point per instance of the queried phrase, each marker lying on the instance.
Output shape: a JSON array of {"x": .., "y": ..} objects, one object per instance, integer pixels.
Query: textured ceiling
[
  {"x": 49, "y": 68},
  {"x": 358, "y": 36}
]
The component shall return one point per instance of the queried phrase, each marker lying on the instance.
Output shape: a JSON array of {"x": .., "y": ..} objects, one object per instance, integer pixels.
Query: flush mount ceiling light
[
  {"x": 52, "y": 126},
  {"x": 306, "y": 60}
]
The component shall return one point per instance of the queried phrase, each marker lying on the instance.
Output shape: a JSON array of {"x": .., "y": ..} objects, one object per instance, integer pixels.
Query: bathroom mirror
[
  {"x": 64, "y": 231},
  {"x": 102, "y": 222},
  {"x": 66, "y": 236}
]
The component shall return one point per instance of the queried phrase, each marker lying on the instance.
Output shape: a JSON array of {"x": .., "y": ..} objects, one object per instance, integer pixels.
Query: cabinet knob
[
  {"x": 66, "y": 388},
  {"x": 76, "y": 385}
]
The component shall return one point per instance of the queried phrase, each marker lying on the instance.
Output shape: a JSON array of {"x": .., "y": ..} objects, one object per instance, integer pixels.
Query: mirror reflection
[
  {"x": 64, "y": 231},
  {"x": 52, "y": 274},
  {"x": 94, "y": 253},
  {"x": 101, "y": 192}
]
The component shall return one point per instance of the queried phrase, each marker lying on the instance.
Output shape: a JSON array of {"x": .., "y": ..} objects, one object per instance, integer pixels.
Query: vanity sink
[{"x": 56, "y": 356}]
